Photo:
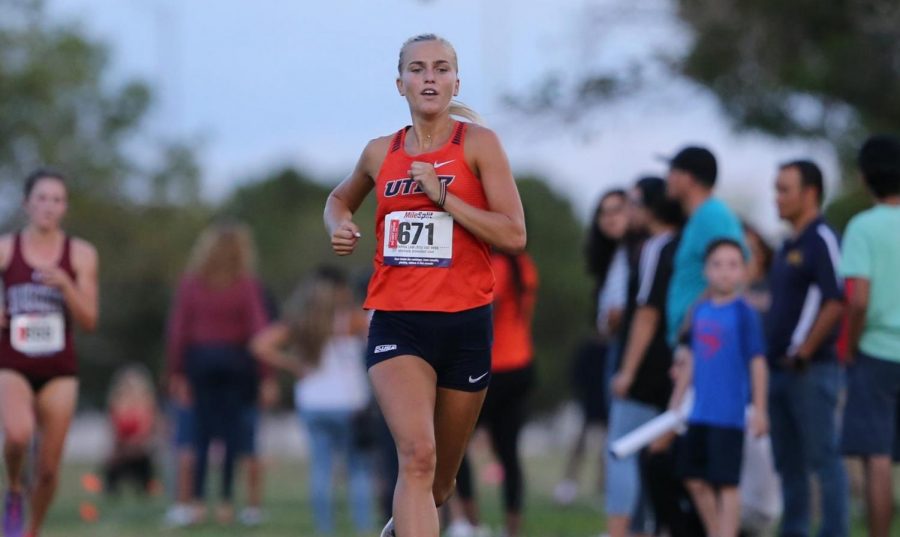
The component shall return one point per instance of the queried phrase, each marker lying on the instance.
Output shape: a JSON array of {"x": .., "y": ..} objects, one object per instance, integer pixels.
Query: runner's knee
[
  {"x": 18, "y": 436},
  {"x": 418, "y": 459}
]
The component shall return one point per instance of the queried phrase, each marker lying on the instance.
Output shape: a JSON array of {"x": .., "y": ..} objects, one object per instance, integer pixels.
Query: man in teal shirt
[
  {"x": 692, "y": 176},
  {"x": 871, "y": 265}
]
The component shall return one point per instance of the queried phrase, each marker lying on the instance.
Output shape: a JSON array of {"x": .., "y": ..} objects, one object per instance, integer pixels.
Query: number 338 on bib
[{"x": 38, "y": 334}]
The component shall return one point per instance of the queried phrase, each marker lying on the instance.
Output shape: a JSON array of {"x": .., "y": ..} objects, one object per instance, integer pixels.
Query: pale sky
[{"x": 269, "y": 83}]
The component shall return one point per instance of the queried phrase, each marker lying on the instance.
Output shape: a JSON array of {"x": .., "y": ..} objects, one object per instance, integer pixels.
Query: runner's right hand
[{"x": 345, "y": 237}]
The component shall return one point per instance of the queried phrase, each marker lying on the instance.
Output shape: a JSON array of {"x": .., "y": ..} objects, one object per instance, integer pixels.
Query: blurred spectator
[
  {"x": 216, "y": 311},
  {"x": 512, "y": 378},
  {"x": 761, "y": 504},
  {"x": 641, "y": 386},
  {"x": 132, "y": 415},
  {"x": 692, "y": 176},
  {"x": 180, "y": 432},
  {"x": 320, "y": 340},
  {"x": 806, "y": 379},
  {"x": 757, "y": 293},
  {"x": 870, "y": 263},
  {"x": 726, "y": 366},
  {"x": 267, "y": 397},
  {"x": 607, "y": 265}
]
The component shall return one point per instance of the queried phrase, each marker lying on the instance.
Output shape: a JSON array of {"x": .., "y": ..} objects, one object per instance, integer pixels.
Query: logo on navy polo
[{"x": 408, "y": 186}]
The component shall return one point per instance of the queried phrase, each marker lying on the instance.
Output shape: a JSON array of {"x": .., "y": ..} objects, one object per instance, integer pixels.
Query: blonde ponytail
[{"x": 461, "y": 110}]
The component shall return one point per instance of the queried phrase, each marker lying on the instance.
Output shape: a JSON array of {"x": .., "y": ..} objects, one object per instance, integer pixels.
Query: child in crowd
[
  {"x": 726, "y": 366},
  {"x": 132, "y": 415}
]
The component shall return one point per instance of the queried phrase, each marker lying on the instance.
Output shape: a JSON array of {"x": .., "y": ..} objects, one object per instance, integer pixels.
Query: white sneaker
[
  {"x": 565, "y": 492},
  {"x": 388, "y": 530},
  {"x": 460, "y": 528},
  {"x": 178, "y": 516},
  {"x": 251, "y": 516}
]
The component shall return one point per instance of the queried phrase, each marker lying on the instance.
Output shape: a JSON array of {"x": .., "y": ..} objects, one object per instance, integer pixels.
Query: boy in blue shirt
[{"x": 726, "y": 365}]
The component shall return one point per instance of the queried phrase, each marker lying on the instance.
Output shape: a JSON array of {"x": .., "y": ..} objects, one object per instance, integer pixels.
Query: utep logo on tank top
[{"x": 408, "y": 186}]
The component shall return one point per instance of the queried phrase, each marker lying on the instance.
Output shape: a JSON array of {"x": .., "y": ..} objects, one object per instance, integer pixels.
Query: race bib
[
  {"x": 38, "y": 334},
  {"x": 418, "y": 239}
]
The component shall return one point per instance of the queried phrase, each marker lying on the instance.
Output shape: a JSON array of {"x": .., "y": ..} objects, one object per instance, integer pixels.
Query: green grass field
[
  {"x": 289, "y": 514},
  {"x": 288, "y": 511}
]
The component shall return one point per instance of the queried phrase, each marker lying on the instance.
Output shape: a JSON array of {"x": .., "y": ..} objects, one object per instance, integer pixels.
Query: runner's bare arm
[
  {"x": 6, "y": 246},
  {"x": 82, "y": 295},
  {"x": 503, "y": 224},
  {"x": 346, "y": 198}
]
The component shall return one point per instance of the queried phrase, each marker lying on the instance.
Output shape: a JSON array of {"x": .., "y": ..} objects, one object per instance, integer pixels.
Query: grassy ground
[{"x": 289, "y": 514}]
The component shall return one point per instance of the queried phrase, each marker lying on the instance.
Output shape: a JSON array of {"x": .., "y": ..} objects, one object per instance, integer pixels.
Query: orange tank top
[
  {"x": 517, "y": 282},
  {"x": 424, "y": 261}
]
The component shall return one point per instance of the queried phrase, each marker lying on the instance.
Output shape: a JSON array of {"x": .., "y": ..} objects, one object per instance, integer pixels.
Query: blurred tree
[
  {"x": 59, "y": 107},
  {"x": 805, "y": 68},
  {"x": 808, "y": 68}
]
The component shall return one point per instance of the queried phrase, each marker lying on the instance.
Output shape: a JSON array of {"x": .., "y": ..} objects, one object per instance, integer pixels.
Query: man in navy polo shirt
[{"x": 806, "y": 378}]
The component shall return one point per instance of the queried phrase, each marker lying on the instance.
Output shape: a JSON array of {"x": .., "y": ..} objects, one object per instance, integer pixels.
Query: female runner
[
  {"x": 49, "y": 286},
  {"x": 445, "y": 195}
]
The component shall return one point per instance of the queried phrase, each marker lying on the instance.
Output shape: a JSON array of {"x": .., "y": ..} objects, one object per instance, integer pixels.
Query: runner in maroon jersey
[{"x": 49, "y": 286}]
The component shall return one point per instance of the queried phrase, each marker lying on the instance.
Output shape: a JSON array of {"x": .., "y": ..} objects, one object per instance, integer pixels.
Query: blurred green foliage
[
  {"x": 827, "y": 70},
  {"x": 822, "y": 70},
  {"x": 58, "y": 106},
  {"x": 805, "y": 67}
]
